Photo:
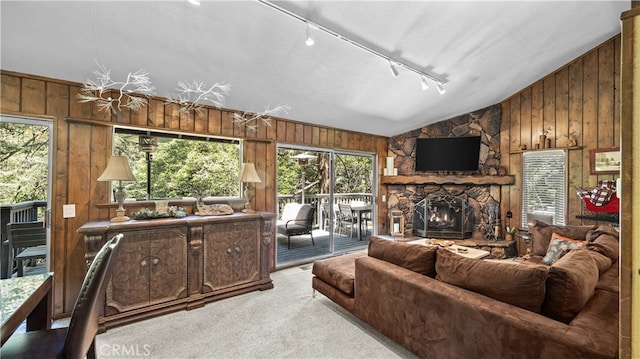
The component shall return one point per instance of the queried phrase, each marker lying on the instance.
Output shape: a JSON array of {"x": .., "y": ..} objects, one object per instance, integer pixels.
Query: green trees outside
[
  {"x": 24, "y": 154},
  {"x": 182, "y": 167},
  {"x": 353, "y": 173}
]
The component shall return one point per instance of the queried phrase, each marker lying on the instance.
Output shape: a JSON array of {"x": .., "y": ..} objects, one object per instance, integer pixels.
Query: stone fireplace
[
  {"x": 443, "y": 216},
  {"x": 406, "y": 191}
]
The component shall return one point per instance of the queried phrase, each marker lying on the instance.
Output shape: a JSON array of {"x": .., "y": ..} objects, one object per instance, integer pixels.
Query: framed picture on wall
[{"x": 605, "y": 161}]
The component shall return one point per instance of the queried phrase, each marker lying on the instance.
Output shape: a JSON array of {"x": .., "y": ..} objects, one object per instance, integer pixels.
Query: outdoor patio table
[{"x": 359, "y": 210}]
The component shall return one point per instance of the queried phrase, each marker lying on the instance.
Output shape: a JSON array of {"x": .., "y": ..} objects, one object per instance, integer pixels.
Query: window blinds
[{"x": 544, "y": 186}]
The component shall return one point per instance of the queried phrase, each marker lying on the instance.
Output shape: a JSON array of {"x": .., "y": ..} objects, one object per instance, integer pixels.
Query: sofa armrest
[{"x": 435, "y": 319}]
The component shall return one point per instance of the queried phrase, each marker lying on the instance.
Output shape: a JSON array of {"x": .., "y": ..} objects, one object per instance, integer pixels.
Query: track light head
[
  {"x": 423, "y": 83},
  {"x": 394, "y": 70},
  {"x": 309, "y": 41},
  {"x": 440, "y": 87}
]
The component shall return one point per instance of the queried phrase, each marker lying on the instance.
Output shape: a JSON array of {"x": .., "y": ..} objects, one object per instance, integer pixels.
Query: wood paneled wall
[
  {"x": 582, "y": 100},
  {"x": 82, "y": 145}
]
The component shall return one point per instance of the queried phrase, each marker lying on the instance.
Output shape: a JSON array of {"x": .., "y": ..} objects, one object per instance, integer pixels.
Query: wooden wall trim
[{"x": 629, "y": 342}]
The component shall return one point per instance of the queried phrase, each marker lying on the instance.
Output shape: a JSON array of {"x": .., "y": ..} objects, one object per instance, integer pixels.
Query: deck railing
[
  {"x": 317, "y": 200},
  {"x": 27, "y": 211}
]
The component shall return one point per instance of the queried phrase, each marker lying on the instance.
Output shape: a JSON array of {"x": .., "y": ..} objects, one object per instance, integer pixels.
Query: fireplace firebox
[{"x": 443, "y": 216}]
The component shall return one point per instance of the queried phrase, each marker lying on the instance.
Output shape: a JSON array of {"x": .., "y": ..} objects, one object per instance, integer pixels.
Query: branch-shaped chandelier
[
  {"x": 250, "y": 120},
  {"x": 99, "y": 91},
  {"x": 192, "y": 95}
]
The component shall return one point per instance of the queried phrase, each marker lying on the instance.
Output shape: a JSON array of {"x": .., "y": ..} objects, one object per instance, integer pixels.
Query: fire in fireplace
[{"x": 443, "y": 216}]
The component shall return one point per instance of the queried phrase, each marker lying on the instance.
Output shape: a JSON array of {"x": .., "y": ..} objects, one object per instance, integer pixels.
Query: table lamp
[
  {"x": 248, "y": 175},
  {"x": 118, "y": 170}
]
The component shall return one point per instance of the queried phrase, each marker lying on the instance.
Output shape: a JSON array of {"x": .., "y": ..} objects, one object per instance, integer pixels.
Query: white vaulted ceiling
[{"x": 485, "y": 50}]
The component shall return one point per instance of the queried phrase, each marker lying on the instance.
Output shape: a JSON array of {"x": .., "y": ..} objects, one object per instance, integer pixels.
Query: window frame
[
  {"x": 132, "y": 130},
  {"x": 535, "y": 160}
]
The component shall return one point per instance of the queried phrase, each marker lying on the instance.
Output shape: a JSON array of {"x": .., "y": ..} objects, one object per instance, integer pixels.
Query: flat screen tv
[{"x": 447, "y": 154}]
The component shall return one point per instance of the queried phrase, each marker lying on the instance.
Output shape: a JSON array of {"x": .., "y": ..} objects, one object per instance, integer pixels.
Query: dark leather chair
[
  {"x": 302, "y": 224},
  {"x": 77, "y": 340}
]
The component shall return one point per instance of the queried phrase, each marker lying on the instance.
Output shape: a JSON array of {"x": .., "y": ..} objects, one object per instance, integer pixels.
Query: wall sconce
[
  {"x": 118, "y": 170},
  {"x": 249, "y": 175}
]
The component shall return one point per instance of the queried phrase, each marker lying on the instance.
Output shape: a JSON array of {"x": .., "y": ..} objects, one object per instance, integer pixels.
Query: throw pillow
[
  {"x": 601, "y": 196},
  {"x": 571, "y": 283},
  {"x": 558, "y": 246},
  {"x": 519, "y": 285},
  {"x": 541, "y": 235},
  {"x": 415, "y": 257}
]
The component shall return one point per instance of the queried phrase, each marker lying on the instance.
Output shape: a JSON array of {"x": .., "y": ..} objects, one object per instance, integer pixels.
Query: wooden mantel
[{"x": 449, "y": 179}]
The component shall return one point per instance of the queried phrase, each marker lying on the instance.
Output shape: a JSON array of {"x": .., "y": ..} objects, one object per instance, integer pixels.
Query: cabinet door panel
[
  {"x": 218, "y": 255},
  {"x": 231, "y": 254},
  {"x": 246, "y": 265},
  {"x": 168, "y": 264},
  {"x": 129, "y": 285}
]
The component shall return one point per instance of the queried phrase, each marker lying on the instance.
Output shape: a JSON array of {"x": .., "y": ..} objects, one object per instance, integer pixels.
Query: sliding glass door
[
  {"x": 339, "y": 187},
  {"x": 27, "y": 154}
]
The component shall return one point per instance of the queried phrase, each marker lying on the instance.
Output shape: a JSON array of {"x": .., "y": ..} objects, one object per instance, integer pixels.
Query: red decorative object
[{"x": 613, "y": 206}]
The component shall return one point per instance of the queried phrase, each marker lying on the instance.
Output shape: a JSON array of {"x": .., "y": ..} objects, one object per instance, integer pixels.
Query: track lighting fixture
[
  {"x": 394, "y": 71},
  {"x": 194, "y": 2},
  {"x": 310, "y": 41},
  {"x": 423, "y": 83}
]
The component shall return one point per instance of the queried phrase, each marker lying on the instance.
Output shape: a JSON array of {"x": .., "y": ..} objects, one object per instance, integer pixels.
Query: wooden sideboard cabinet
[{"x": 181, "y": 263}]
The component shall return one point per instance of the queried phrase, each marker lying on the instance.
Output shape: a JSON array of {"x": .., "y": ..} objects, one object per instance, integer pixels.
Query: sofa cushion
[
  {"x": 610, "y": 279},
  {"x": 602, "y": 262},
  {"x": 558, "y": 246},
  {"x": 415, "y": 257},
  {"x": 519, "y": 285},
  {"x": 338, "y": 271},
  {"x": 571, "y": 282},
  {"x": 541, "y": 235},
  {"x": 290, "y": 211},
  {"x": 604, "y": 240}
]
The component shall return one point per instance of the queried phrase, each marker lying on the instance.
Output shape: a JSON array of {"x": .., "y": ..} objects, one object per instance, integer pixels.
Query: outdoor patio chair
[
  {"x": 301, "y": 224},
  {"x": 326, "y": 216},
  {"x": 347, "y": 218},
  {"x": 27, "y": 241}
]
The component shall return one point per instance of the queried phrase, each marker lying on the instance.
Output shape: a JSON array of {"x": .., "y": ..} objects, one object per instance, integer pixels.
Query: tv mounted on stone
[{"x": 437, "y": 154}]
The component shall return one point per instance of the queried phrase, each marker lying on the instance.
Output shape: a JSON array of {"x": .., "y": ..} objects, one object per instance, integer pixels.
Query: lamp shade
[
  {"x": 117, "y": 170},
  {"x": 249, "y": 174}
]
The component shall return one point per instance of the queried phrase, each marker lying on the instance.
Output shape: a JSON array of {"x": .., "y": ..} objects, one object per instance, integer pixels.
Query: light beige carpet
[{"x": 284, "y": 322}]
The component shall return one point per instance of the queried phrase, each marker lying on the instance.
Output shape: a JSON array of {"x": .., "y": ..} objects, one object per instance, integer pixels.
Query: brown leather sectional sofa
[{"x": 438, "y": 304}]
